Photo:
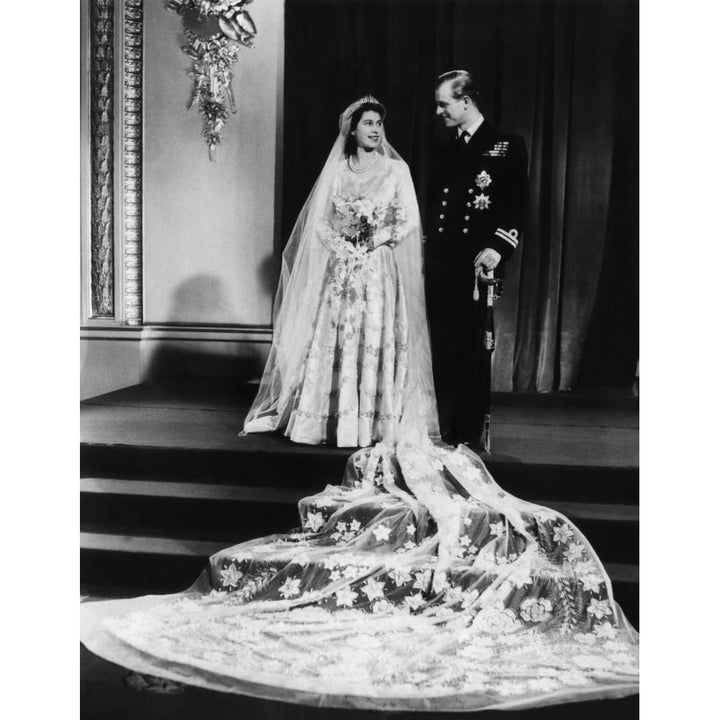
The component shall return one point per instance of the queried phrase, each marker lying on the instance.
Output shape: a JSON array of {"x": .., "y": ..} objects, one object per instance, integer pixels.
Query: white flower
[
  {"x": 415, "y": 601},
  {"x": 410, "y": 529},
  {"x": 381, "y": 532},
  {"x": 606, "y": 630},
  {"x": 422, "y": 580},
  {"x": 535, "y": 609},
  {"x": 231, "y": 575},
  {"x": 400, "y": 576},
  {"x": 329, "y": 563},
  {"x": 290, "y": 587},
  {"x": 362, "y": 207},
  {"x": 345, "y": 597},
  {"x": 355, "y": 525},
  {"x": 574, "y": 551},
  {"x": 591, "y": 582},
  {"x": 464, "y": 541},
  {"x": 483, "y": 180},
  {"x": 373, "y": 589},
  {"x": 522, "y": 577},
  {"x": 496, "y": 620},
  {"x": 481, "y": 202},
  {"x": 409, "y": 545},
  {"x": 303, "y": 559},
  {"x": 314, "y": 521},
  {"x": 563, "y": 533},
  {"x": 497, "y": 528},
  {"x": 467, "y": 521},
  {"x": 599, "y": 608},
  {"x": 335, "y": 575}
]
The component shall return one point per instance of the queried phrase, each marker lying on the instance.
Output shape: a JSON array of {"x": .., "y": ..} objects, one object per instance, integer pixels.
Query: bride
[
  {"x": 350, "y": 345},
  {"x": 418, "y": 583}
]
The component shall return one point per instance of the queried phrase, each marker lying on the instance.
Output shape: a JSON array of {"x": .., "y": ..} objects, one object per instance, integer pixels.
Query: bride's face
[{"x": 368, "y": 131}]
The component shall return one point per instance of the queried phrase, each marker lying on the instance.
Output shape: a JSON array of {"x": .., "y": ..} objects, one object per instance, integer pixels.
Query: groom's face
[{"x": 453, "y": 111}]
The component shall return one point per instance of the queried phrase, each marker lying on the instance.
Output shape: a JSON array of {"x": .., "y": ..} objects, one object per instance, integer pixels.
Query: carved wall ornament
[
  {"x": 114, "y": 42},
  {"x": 102, "y": 290},
  {"x": 215, "y": 30},
  {"x": 132, "y": 160}
]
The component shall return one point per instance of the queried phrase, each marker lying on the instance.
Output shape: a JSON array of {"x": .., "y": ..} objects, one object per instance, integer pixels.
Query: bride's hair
[{"x": 350, "y": 143}]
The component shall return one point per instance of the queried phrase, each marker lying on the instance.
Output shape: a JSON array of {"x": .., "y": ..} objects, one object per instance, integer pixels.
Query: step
[
  {"x": 232, "y": 514},
  {"x": 293, "y": 466}
]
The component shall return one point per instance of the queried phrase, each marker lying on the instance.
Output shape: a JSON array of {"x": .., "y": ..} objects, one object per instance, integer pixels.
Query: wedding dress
[
  {"x": 350, "y": 388},
  {"x": 416, "y": 584}
]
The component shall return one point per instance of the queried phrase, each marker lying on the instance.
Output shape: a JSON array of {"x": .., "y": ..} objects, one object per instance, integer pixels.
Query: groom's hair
[
  {"x": 462, "y": 84},
  {"x": 379, "y": 108}
]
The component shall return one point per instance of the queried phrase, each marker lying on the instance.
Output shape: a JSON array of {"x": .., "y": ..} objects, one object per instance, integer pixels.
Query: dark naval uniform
[{"x": 476, "y": 200}]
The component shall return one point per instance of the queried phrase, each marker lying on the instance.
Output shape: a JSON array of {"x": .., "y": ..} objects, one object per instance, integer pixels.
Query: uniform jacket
[{"x": 477, "y": 197}]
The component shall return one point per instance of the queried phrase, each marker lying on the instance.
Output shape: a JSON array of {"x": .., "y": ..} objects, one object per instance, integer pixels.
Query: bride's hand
[{"x": 390, "y": 243}]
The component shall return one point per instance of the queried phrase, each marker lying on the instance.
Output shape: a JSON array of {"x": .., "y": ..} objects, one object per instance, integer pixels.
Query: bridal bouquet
[{"x": 366, "y": 224}]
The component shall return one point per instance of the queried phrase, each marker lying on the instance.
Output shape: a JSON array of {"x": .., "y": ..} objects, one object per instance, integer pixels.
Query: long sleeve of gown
[{"x": 407, "y": 200}]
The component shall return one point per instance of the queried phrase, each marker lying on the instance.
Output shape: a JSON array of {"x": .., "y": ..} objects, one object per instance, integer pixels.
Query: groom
[{"x": 473, "y": 223}]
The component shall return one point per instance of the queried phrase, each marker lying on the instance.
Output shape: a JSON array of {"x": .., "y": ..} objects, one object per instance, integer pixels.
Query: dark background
[{"x": 564, "y": 75}]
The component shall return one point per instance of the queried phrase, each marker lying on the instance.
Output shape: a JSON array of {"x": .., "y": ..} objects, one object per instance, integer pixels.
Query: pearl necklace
[{"x": 363, "y": 169}]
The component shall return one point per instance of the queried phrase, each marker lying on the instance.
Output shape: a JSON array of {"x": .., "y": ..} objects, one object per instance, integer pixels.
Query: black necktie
[{"x": 461, "y": 137}]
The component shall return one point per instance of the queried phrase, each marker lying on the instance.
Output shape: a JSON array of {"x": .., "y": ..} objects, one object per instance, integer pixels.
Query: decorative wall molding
[
  {"x": 132, "y": 160},
  {"x": 102, "y": 270},
  {"x": 115, "y": 243}
]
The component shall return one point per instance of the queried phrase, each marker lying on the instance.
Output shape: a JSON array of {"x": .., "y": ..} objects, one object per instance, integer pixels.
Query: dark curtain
[{"x": 562, "y": 74}]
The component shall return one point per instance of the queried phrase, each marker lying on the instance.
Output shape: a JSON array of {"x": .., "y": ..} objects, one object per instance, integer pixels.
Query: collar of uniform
[{"x": 473, "y": 128}]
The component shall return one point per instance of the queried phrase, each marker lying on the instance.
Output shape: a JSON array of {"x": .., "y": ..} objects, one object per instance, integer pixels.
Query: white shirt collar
[{"x": 473, "y": 128}]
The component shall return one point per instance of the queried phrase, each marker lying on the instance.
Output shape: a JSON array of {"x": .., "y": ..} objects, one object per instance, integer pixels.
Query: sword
[{"x": 493, "y": 292}]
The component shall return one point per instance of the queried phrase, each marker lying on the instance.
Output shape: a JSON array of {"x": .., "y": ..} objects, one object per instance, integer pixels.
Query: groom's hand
[{"x": 485, "y": 260}]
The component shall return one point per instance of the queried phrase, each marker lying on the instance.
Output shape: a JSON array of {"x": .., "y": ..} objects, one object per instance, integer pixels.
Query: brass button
[
  {"x": 471, "y": 191},
  {"x": 468, "y": 204},
  {"x": 446, "y": 190},
  {"x": 442, "y": 217},
  {"x": 444, "y": 203},
  {"x": 441, "y": 229},
  {"x": 465, "y": 231},
  {"x": 467, "y": 217}
]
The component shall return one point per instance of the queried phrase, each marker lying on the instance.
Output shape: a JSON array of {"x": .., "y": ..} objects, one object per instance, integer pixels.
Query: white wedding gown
[{"x": 417, "y": 583}]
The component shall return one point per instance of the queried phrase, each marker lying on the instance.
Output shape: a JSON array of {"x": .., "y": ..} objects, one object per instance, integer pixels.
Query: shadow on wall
[
  {"x": 269, "y": 274},
  {"x": 202, "y": 301}
]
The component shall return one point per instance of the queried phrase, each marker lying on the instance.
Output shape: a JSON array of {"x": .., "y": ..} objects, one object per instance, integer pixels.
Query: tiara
[{"x": 347, "y": 113}]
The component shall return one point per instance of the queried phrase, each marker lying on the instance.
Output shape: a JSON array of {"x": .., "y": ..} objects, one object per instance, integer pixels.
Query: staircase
[{"x": 166, "y": 481}]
